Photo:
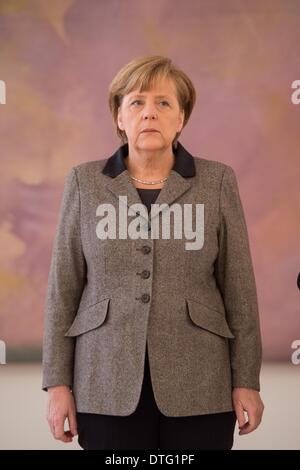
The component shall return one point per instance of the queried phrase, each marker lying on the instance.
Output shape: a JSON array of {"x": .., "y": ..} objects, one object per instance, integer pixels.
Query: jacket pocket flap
[
  {"x": 208, "y": 318},
  {"x": 89, "y": 318}
]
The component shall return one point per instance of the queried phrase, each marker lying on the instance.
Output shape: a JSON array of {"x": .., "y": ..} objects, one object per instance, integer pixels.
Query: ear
[
  {"x": 181, "y": 120},
  {"x": 120, "y": 123}
]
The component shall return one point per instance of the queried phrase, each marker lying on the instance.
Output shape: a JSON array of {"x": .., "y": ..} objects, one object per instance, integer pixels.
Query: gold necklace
[{"x": 149, "y": 182}]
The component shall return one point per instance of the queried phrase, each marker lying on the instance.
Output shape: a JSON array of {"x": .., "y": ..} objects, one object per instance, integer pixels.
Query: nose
[
  {"x": 149, "y": 112},
  {"x": 150, "y": 115}
]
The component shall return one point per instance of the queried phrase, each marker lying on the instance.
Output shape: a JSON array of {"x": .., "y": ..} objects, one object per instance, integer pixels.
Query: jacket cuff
[
  {"x": 238, "y": 383},
  {"x": 52, "y": 378}
]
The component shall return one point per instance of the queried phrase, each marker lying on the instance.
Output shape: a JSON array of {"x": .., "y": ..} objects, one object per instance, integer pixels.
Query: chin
[{"x": 150, "y": 145}]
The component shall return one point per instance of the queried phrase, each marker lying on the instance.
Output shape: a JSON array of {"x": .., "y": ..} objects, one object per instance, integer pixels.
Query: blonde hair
[{"x": 141, "y": 73}]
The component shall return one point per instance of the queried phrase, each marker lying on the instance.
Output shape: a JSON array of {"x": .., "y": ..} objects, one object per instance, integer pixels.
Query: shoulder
[
  {"x": 89, "y": 173},
  {"x": 91, "y": 166},
  {"x": 213, "y": 168}
]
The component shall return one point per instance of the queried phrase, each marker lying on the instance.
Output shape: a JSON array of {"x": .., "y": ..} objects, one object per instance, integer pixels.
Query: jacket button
[
  {"x": 146, "y": 249},
  {"x": 145, "y": 274},
  {"x": 145, "y": 298}
]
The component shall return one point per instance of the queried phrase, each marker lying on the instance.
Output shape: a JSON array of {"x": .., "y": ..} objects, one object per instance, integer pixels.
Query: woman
[{"x": 150, "y": 343}]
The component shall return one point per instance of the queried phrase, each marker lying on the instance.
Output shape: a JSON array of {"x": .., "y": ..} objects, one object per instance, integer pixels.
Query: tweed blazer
[{"x": 195, "y": 309}]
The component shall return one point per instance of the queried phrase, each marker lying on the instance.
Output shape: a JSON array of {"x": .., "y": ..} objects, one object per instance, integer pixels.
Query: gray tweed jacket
[{"x": 196, "y": 310}]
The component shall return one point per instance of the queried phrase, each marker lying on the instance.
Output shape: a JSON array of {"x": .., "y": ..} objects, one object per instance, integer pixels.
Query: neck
[{"x": 150, "y": 165}]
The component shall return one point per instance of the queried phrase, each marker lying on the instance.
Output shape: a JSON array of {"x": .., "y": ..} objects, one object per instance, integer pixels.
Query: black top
[{"x": 148, "y": 196}]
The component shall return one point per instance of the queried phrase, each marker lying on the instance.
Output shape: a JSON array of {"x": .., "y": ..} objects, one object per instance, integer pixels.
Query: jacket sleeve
[
  {"x": 66, "y": 280},
  {"x": 236, "y": 281}
]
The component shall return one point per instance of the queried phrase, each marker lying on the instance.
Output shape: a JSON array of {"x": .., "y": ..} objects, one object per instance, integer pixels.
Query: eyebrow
[{"x": 156, "y": 96}]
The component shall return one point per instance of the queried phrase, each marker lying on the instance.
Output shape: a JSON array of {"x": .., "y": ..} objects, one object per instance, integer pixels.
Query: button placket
[
  {"x": 145, "y": 273},
  {"x": 145, "y": 298},
  {"x": 145, "y": 249}
]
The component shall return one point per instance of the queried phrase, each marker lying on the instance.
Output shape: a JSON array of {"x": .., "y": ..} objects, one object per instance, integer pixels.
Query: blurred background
[{"x": 57, "y": 60}]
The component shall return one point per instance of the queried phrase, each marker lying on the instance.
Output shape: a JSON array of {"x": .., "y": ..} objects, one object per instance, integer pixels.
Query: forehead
[{"x": 162, "y": 88}]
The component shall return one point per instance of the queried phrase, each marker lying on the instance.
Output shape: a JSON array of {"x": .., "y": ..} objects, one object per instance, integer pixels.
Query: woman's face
[{"x": 158, "y": 109}]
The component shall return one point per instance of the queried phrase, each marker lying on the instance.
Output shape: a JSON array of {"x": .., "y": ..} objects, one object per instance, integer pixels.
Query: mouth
[{"x": 143, "y": 132}]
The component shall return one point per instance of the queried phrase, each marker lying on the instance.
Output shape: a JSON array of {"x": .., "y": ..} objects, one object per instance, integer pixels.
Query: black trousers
[{"x": 147, "y": 428}]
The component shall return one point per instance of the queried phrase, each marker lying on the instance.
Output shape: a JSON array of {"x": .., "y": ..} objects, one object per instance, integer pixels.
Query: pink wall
[{"x": 57, "y": 59}]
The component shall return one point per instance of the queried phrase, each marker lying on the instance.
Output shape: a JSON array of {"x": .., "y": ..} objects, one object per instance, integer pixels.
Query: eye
[
  {"x": 136, "y": 101},
  {"x": 139, "y": 101}
]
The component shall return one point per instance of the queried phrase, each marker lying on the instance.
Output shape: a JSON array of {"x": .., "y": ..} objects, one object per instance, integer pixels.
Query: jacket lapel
[{"x": 174, "y": 187}]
